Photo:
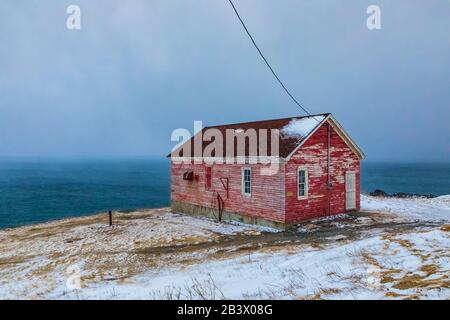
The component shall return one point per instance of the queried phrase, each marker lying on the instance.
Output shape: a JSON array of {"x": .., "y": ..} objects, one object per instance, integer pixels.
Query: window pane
[
  {"x": 301, "y": 176},
  {"x": 247, "y": 181},
  {"x": 301, "y": 190},
  {"x": 302, "y": 183}
]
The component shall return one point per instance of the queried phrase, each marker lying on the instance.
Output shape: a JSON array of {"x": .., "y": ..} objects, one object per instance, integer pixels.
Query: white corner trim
[{"x": 345, "y": 136}]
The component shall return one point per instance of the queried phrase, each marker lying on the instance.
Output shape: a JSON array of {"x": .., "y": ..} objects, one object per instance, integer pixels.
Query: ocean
[{"x": 39, "y": 191}]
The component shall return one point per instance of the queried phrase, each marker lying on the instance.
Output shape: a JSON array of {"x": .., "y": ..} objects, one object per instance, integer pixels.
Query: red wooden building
[{"x": 318, "y": 175}]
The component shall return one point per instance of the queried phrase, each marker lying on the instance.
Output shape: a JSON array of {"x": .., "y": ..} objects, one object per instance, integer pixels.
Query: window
[
  {"x": 302, "y": 177},
  {"x": 246, "y": 181},
  {"x": 208, "y": 178}
]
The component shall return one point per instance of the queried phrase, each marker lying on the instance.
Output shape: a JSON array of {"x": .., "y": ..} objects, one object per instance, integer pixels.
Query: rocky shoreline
[{"x": 382, "y": 193}]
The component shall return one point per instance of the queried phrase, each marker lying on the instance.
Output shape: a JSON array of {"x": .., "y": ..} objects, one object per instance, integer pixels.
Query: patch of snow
[
  {"x": 338, "y": 237},
  {"x": 301, "y": 127},
  {"x": 425, "y": 240},
  {"x": 416, "y": 208},
  {"x": 227, "y": 227}
]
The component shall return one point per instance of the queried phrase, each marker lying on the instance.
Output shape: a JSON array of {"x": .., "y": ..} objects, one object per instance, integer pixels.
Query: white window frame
[
  {"x": 243, "y": 181},
  {"x": 305, "y": 196}
]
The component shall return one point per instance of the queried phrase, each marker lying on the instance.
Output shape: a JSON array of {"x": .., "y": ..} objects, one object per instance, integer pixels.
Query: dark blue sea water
[
  {"x": 38, "y": 191},
  {"x": 421, "y": 178}
]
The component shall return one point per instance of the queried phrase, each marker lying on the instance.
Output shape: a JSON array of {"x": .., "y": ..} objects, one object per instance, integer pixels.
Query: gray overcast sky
[{"x": 140, "y": 68}]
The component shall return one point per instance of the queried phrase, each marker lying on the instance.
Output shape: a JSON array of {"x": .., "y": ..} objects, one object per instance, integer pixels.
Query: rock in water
[{"x": 379, "y": 193}]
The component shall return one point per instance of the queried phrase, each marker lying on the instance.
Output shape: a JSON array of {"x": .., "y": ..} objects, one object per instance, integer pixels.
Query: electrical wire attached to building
[{"x": 267, "y": 62}]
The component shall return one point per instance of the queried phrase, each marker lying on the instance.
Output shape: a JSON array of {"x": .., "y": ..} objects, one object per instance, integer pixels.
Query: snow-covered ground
[
  {"x": 158, "y": 254},
  {"x": 39, "y": 258},
  {"x": 373, "y": 268},
  {"x": 416, "y": 208}
]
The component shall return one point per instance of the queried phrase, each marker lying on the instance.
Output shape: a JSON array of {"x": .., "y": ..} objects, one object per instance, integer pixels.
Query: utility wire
[{"x": 265, "y": 60}]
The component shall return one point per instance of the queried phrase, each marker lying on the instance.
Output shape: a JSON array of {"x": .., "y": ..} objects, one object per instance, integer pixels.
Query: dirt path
[{"x": 347, "y": 227}]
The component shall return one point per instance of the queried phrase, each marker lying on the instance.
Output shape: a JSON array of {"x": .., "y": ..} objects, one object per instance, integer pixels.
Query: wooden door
[{"x": 350, "y": 190}]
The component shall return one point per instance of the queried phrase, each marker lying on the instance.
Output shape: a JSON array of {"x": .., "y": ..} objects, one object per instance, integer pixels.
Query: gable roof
[{"x": 294, "y": 131}]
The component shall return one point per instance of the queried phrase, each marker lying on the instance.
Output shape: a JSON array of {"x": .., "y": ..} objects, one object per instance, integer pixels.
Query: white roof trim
[
  {"x": 345, "y": 136},
  {"x": 340, "y": 130}
]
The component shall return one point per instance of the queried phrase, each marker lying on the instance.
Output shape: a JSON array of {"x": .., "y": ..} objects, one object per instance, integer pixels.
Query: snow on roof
[{"x": 301, "y": 127}]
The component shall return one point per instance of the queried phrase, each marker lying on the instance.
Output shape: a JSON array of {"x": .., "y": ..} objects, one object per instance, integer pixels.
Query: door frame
[{"x": 347, "y": 208}]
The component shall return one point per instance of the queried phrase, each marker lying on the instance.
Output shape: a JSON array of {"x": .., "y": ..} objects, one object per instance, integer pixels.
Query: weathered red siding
[
  {"x": 267, "y": 196},
  {"x": 274, "y": 197},
  {"x": 313, "y": 155}
]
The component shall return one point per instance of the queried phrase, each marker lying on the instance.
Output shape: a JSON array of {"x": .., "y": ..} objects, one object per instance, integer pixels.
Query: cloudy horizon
[{"x": 139, "y": 69}]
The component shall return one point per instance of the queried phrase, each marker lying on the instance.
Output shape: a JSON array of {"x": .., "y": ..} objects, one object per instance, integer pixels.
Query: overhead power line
[{"x": 265, "y": 60}]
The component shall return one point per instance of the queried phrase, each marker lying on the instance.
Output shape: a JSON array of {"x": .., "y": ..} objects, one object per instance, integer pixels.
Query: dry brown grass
[
  {"x": 387, "y": 276},
  {"x": 414, "y": 281},
  {"x": 322, "y": 292},
  {"x": 393, "y": 294},
  {"x": 7, "y": 262},
  {"x": 429, "y": 269},
  {"x": 369, "y": 259}
]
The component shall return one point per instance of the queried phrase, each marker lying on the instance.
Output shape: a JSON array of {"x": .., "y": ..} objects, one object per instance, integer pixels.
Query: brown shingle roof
[{"x": 287, "y": 141}]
